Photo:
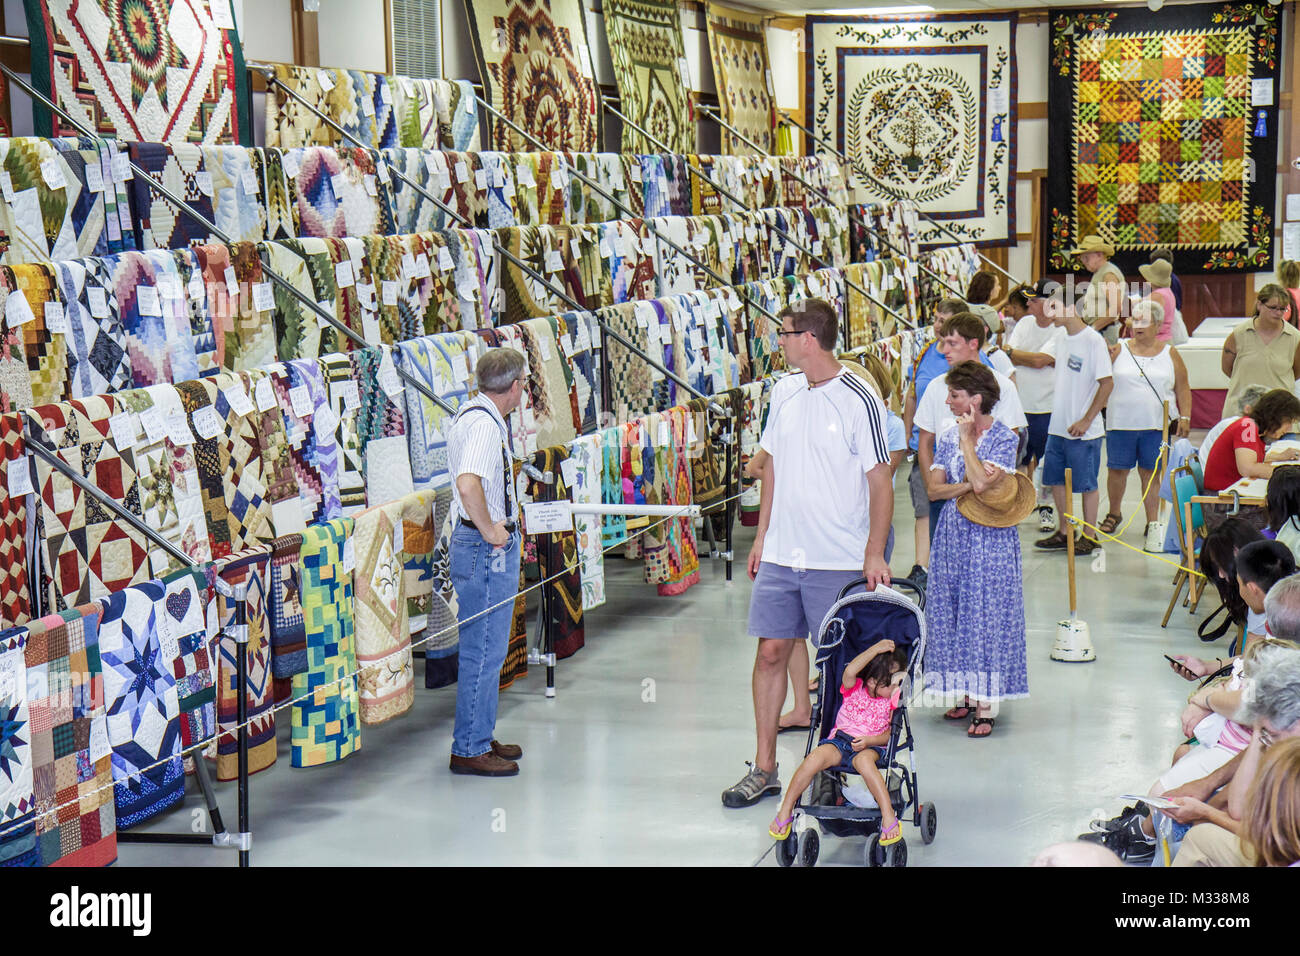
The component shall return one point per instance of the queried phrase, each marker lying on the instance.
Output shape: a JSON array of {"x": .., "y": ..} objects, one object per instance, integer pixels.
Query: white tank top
[{"x": 1134, "y": 405}]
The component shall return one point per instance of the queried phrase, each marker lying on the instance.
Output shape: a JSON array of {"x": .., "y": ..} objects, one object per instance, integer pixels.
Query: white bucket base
[{"x": 1073, "y": 642}]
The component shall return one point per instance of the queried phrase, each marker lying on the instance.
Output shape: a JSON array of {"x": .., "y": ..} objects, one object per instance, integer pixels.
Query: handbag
[{"x": 1219, "y": 629}]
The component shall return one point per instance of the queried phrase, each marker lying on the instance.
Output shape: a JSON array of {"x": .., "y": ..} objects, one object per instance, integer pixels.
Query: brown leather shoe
[
  {"x": 507, "y": 751},
  {"x": 484, "y": 765}
]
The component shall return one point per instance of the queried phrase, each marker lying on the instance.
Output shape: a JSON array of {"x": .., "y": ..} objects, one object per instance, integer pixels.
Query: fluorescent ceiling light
[{"x": 870, "y": 11}]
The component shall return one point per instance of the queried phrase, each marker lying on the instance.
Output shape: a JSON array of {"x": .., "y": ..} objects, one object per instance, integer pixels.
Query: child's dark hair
[
  {"x": 1283, "y": 496},
  {"x": 1219, "y": 553},
  {"x": 883, "y": 666},
  {"x": 1265, "y": 563}
]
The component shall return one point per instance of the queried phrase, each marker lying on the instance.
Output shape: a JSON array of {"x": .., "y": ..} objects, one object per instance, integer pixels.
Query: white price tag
[
  {"x": 196, "y": 286},
  {"x": 264, "y": 393},
  {"x": 554, "y": 261},
  {"x": 222, "y": 18},
  {"x": 207, "y": 423},
  {"x": 155, "y": 426},
  {"x": 19, "y": 473},
  {"x": 366, "y": 293},
  {"x": 481, "y": 180},
  {"x": 17, "y": 310},
  {"x": 557, "y": 178},
  {"x": 367, "y": 106},
  {"x": 605, "y": 250},
  {"x": 372, "y": 188},
  {"x": 325, "y": 422},
  {"x": 370, "y": 330},
  {"x": 388, "y": 289},
  {"x": 343, "y": 274},
  {"x": 146, "y": 300},
  {"x": 300, "y": 401},
  {"x": 238, "y": 400},
  {"x": 263, "y": 297},
  {"x": 232, "y": 282},
  {"x": 771, "y": 89},
  {"x": 620, "y": 247},
  {"x": 7, "y": 185},
  {"x": 665, "y": 436},
  {"x": 121, "y": 165},
  {"x": 462, "y": 172},
  {"x": 349, "y": 556},
  {"x": 388, "y": 378},
  {"x": 52, "y": 173},
  {"x": 576, "y": 248},
  {"x": 124, "y": 430},
  {"x": 566, "y": 344},
  {"x": 584, "y": 61},
  {"x": 99, "y": 746},
  {"x": 339, "y": 183},
  {"x": 178, "y": 429},
  {"x": 385, "y": 94},
  {"x": 524, "y": 174},
  {"x": 56, "y": 321},
  {"x": 542, "y": 517},
  {"x": 408, "y": 267},
  {"x": 289, "y": 160},
  {"x": 347, "y": 394},
  {"x": 249, "y": 180},
  {"x": 169, "y": 287},
  {"x": 422, "y": 270},
  {"x": 544, "y": 346},
  {"x": 445, "y": 260},
  {"x": 326, "y": 79},
  {"x": 94, "y": 178},
  {"x": 634, "y": 171},
  {"x": 382, "y": 169},
  {"x": 569, "y": 473}
]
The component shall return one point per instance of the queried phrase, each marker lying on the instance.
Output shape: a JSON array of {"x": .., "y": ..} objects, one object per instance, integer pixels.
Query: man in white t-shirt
[
  {"x": 1032, "y": 350},
  {"x": 827, "y": 500},
  {"x": 963, "y": 338},
  {"x": 1074, "y": 432}
]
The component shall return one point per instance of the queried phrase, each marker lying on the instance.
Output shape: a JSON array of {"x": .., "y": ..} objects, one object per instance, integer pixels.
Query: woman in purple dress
[{"x": 975, "y": 607}]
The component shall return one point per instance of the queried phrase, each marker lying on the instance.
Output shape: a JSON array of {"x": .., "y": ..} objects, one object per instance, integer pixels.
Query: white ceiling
[{"x": 803, "y": 7}]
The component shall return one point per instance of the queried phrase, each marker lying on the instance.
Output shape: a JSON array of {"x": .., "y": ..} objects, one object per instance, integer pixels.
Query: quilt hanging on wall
[
  {"x": 925, "y": 106},
  {"x": 738, "y": 46},
  {"x": 157, "y": 71},
  {"x": 1163, "y": 132},
  {"x": 645, "y": 42},
  {"x": 536, "y": 69}
]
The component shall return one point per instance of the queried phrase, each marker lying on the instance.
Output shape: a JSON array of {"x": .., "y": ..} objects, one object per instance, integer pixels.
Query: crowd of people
[{"x": 1005, "y": 413}]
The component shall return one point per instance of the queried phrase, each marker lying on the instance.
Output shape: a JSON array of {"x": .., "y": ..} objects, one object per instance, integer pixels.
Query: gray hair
[
  {"x": 1282, "y": 609},
  {"x": 1272, "y": 688},
  {"x": 1251, "y": 394},
  {"x": 498, "y": 369},
  {"x": 1151, "y": 309}
]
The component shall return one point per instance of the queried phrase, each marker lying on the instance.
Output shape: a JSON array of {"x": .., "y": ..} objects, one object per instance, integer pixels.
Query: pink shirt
[
  {"x": 862, "y": 715},
  {"x": 1165, "y": 296}
]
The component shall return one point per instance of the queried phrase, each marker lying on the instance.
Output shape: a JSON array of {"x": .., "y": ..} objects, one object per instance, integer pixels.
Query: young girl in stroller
[{"x": 871, "y": 685}]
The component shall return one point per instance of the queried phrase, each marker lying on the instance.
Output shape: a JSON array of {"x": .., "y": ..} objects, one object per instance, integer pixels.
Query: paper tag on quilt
[
  {"x": 339, "y": 183},
  {"x": 146, "y": 300},
  {"x": 263, "y": 297},
  {"x": 207, "y": 423},
  {"x": 388, "y": 378},
  {"x": 634, "y": 171},
  {"x": 370, "y": 330},
  {"x": 124, "y": 430},
  {"x": 178, "y": 429},
  {"x": 584, "y": 60},
  {"x": 349, "y": 555},
  {"x": 399, "y": 536},
  {"x": 94, "y": 178},
  {"x": 222, "y": 18},
  {"x": 289, "y": 160},
  {"x": 238, "y": 400},
  {"x": 343, "y": 274},
  {"x": 408, "y": 267},
  {"x": 251, "y": 184},
  {"x": 445, "y": 260},
  {"x": 52, "y": 173},
  {"x": 264, "y": 393},
  {"x": 388, "y": 289},
  {"x": 325, "y": 421},
  {"x": 372, "y": 188},
  {"x": 56, "y": 320},
  {"x": 422, "y": 270},
  {"x": 99, "y": 746},
  {"x": 462, "y": 172},
  {"x": 20, "y": 476},
  {"x": 326, "y": 79},
  {"x": 232, "y": 282},
  {"x": 524, "y": 174},
  {"x": 300, "y": 401},
  {"x": 155, "y": 427},
  {"x": 481, "y": 179},
  {"x": 347, "y": 394},
  {"x": 18, "y": 310}
]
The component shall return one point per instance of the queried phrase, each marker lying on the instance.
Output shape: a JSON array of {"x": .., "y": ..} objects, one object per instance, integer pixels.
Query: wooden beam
[
  {"x": 1022, "y": 174},
  {"x": 388, "y": 38},
  {"x": 1029, "y": 111},
  {"x": 1288, "y": 175},
  {"x": 306, "y": 36}
]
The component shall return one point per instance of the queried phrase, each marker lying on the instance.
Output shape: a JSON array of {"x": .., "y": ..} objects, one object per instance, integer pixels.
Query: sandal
[
  {"x": 780, "y": 829},
  {"x": 1110, "y": 523},
  {"x": 980, "y": 722},
  {"x": 896, "y": 830},
  {"x": 960, "y": 712}
]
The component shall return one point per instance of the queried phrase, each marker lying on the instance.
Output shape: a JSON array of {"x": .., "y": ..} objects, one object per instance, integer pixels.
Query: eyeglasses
[{"x": 785, "y": 332}]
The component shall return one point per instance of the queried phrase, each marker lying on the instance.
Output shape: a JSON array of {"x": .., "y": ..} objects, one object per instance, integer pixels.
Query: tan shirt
[
  {"x": 1094, "y": 303},
  {"x": 1259, "y": 364}
]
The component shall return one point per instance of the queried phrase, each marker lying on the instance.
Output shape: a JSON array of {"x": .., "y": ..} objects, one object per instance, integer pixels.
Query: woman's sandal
[
  {"x": 960, "y": 712},
  {"x": 896, "y": 830},
  {"x": 780, "y": 829},
  {"x": 980, "y": 722},
  {"x": 1110, "y": 523}
]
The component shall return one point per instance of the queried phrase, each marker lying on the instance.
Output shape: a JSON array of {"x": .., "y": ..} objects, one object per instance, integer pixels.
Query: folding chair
[{"x": 1191, "y": 525}]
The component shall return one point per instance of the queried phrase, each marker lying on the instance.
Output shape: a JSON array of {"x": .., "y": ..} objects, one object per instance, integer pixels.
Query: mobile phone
[{"x": 1174, "y": 662}]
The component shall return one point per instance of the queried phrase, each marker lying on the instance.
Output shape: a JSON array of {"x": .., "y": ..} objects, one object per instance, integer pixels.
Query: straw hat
[
  {"x": 1158, "y": 273},
  {"x": 1004, "y": 504},
  {"x": 861, "y": 372},
  {"x": 1094, "y": 244},
  {"x": 989, "y": 316}
]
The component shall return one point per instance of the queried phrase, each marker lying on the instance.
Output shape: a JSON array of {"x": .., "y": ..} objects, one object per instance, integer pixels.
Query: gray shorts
[
  {"x": 916, "y": 485},
  {"x": 789, "y": 605}
]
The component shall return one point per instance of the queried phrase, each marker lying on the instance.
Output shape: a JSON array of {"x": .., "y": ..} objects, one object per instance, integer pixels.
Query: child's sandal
[{"x": 780, "y": 829}]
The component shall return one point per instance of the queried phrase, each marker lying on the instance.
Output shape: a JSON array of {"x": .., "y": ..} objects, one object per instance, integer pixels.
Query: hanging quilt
[
  {"x": 52, "y": 213},
  {"x": 1162, "y": 134},
  {"x": 926, "y": 104},
  {"x": 550, "y": 383},
  {"x": 438, "y": 361},
  {"x": 340, "y": 402},
  {"x": 43, "y": 348},
  {"x": 586, "y": 453},
  {"x": 325, "y": 725},
  {"x": 304, "y": 403},
  {"x": 645, "y": 41},
  {"x": 97, "y": 359},
  {"x": 738, "y": 46},
  {"x": 383, "y": 635},
  {"x": 536, "y": 69},
  {"x": 249, "y": 570},
  {"x": 159, "y": 72},
  {"x": 557, "y": 555},
  {"x": 441, "y": 627},
  {"x": 143, "y": 710},
  {"x": 187, "y": 650},
  {"x": 17, "y": 788},
  {"x": 285, "y": 614},
  {"x": 15, "y": 578},
  {"x": 71, "y": 767}
]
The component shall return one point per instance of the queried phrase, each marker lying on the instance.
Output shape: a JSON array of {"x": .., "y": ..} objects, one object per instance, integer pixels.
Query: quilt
[
  {"x": 738, "y": 46},
  {"x": 97, "y": 358},
  {"x": 52, "y": 213},
  {"x": 17, "y": 787},
  {"x": 645, "y": 41},
  {"x": 557, "y": 556},
  {"x": 15, "y": 575},
  {"x": 250, "y": 571},
  {"x": 159, "y": 71},
  {"x": 383, "y": 634},
  {"x": 326, "y": 707},
  {"x": 536, "y": 69},
  {"x": 1163, "y": 132},
  {"x": 442, "y": 629},
  {"x": 586, "y": 453},
  {"x": 926, "y": 105},
  {"x": 35, "y": 339},
  {"x": 439, "y": 362},
  {"x": 285, "y": 614}
]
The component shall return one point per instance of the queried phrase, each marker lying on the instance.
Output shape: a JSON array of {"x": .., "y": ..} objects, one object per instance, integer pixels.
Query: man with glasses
[
  {"x": 827, "y": 500},
  {"x": 484, "y": 560}
]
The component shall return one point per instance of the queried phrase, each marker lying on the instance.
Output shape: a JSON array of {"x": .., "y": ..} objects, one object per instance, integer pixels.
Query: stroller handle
[{"x": 903, "y": 584}]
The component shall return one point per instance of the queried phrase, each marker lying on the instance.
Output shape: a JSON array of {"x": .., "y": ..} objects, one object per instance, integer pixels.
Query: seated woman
[
  {"x": 1239, "y": 451},
  {"x": 1272, "y": 824}
]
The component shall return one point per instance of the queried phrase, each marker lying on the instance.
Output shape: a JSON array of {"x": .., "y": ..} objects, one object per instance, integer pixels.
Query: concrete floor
[{"x": 620, "y": 771}]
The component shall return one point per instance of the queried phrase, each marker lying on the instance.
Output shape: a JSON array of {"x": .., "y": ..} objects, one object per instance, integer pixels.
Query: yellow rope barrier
[{"x": 1174, "y": 564}]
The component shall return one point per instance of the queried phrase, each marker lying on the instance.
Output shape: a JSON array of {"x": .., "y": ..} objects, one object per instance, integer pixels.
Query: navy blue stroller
[{"x": 853, "y": 624}]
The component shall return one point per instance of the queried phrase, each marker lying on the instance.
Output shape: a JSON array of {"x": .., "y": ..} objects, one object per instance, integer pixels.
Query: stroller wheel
[
  {"x": 809, "y": 846},
  {"x": 929, "y": 822},
  {"x": 893, "y": 855},
  {"x": 787, "y": 851}
]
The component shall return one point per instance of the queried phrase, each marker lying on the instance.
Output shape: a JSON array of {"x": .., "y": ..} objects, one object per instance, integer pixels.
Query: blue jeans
[{"x": 483, "y": 577}]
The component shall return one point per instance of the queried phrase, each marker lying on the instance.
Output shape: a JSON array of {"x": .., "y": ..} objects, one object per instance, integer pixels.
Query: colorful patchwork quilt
[
  {"x": 645, "y": 41},
  {"x": 738, "y": 45},
  {"x": 387, "y": 680}
]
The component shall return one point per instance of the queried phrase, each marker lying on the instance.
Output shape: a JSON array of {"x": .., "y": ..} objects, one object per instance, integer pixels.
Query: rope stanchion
[{"x": 1110, "y": 537}]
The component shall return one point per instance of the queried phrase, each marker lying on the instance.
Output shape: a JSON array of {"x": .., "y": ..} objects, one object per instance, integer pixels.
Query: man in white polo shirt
[{"x": 827, "y": 500}]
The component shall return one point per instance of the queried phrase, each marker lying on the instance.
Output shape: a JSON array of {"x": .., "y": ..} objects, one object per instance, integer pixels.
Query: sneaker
[
  {"x": 1046, "y": 519},
  {"x": 1114, "y": 823},
  {"x": 753, "y": 787},
  {"x": 1053, "y": 542},
  {"x": 1126, "y": 841},
  {"x": 919, "y": 575}
]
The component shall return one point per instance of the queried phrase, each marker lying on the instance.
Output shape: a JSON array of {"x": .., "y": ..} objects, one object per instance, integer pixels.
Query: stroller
[{"x": 852, "y": 625}]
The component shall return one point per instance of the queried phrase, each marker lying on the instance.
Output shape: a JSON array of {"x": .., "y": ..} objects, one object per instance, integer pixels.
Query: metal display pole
[{"x": 889, "y": 192}]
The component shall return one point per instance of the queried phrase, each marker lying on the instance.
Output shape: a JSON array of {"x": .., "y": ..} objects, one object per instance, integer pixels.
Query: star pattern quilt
[{"x": 645, "y": 41}]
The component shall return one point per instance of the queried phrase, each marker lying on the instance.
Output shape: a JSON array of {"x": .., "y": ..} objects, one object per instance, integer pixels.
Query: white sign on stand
[{"x": 547, "y": 516}]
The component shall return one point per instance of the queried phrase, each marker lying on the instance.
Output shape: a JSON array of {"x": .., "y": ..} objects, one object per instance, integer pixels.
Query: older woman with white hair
[{"x": 1148, "y": 374}]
